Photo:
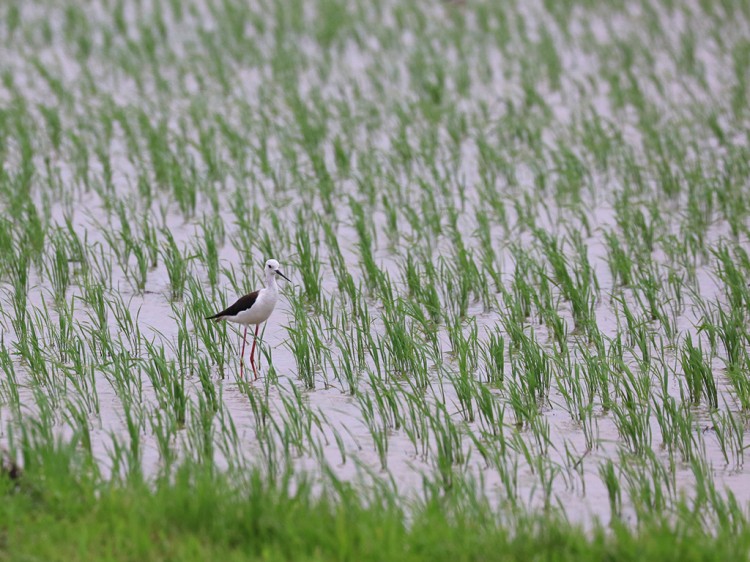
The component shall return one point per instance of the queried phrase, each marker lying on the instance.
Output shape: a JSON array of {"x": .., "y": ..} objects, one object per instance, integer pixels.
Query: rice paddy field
[{"x": 518, "y": 325}]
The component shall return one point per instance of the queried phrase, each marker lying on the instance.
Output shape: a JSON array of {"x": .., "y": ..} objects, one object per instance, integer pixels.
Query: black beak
[{"x": 284, "y": 276}]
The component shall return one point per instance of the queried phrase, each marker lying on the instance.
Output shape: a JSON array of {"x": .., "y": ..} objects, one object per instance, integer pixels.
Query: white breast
[{"x": 261, "y": 309}]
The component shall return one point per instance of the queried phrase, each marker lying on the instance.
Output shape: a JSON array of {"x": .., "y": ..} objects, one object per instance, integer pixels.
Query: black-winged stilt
[{"x": 254, "y": 308}]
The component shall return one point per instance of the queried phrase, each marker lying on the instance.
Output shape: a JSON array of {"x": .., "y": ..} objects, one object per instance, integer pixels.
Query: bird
[
  {"x": 254, "y": 308},
  {"x": 8, "y": 466}
]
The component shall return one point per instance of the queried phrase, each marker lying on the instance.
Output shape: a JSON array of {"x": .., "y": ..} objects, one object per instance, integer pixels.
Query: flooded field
[{"x": 517, "y": 235}]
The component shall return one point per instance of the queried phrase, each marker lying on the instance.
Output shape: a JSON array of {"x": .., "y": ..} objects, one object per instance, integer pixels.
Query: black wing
[{"x": 242, "y": 304}]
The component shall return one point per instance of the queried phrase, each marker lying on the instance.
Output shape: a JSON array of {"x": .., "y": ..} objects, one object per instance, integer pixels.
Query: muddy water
[
  {"x": 581, "y": 491},
  {"x": 583, "y": 494}
]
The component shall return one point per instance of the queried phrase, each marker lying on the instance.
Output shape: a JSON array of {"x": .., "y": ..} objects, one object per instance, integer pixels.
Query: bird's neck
[{"x": 271, "y": 282}]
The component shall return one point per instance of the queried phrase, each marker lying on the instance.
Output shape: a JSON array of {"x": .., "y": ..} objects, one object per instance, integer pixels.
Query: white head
[{"x": 272, "y": 269}]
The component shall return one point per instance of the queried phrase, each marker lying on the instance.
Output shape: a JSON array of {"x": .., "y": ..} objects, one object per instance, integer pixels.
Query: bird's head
[{"x": 272, "y": 268}]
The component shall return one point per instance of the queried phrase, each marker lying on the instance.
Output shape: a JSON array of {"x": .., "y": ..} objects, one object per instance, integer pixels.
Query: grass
[{"x": 204, "y": 515}]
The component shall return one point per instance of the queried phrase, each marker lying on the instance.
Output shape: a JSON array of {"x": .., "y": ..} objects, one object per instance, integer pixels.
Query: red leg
[
  {"x": 252, "y": 352},
  {"x": 242, "y": 353}
]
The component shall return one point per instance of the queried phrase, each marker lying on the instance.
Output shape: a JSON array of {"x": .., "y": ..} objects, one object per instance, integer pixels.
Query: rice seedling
[
  {"x": 698, "y": 374},
  {"x": 176, "y": 265}
]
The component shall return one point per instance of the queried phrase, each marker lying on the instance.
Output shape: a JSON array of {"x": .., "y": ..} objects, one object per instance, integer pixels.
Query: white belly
[{"x": 260, "y": 311}]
